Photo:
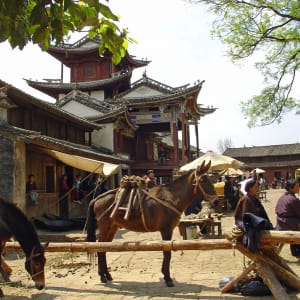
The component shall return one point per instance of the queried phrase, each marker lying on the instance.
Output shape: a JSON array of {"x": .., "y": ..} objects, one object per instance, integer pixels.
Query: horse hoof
[
  {"x": 169, "y": 283},
  {"x": 108, "y": 277},
  {"x": 103, "y": 279}
]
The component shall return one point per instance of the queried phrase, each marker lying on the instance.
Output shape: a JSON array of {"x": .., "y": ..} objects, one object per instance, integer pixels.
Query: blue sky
[{"x": 175, "y": 36}]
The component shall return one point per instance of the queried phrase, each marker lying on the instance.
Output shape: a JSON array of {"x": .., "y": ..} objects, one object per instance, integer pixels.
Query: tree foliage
[
  {"x": 52, "y": 21},
  {"x": 270, "y": 28}
]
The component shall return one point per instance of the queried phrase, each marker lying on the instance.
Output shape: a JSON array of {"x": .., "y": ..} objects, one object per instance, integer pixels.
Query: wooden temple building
[
  {"x": 38, "y": 138},
  {"x": 278, "y": 161},
  {"x": 100, "y": 123},
  {"x": 139, "y": 121}
]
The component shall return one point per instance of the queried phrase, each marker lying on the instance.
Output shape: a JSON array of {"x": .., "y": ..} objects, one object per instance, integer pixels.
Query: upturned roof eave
[
  {"x": 68, "y": 86},
  {"x": 19, "y": 96},
  {"x": 179, "y": 95}
]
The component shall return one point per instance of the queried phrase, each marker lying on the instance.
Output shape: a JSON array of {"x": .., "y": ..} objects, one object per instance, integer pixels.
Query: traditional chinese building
[
  {"x": 38, "y": 138},
  {"x": 141, "y": 121},
  {"x": 278, "y": 161}
]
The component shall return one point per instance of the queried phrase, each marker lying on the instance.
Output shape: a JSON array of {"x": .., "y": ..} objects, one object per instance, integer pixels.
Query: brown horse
[
  {"x": 160, "y": 210},
  {"x": 14, "y": 223}
]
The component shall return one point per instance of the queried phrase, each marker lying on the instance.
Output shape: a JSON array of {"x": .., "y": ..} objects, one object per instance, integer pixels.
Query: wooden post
[
  {"x": 283, "y": 274},
  {"x": 271, "y": 281}
]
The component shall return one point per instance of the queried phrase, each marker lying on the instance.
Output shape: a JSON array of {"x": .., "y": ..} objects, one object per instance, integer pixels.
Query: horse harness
[
  {"x": 30, "y": 260},
  {"x": 138, "y": 192}
]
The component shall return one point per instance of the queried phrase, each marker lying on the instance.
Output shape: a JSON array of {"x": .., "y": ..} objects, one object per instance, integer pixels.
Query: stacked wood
[{"x": 130, "y": 187}]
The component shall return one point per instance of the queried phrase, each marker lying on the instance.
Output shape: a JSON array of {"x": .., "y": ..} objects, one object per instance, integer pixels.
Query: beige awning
[{"x": 86, "y": 164}]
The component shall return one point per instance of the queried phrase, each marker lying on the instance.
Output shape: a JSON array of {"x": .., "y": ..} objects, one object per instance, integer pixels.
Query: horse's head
[
  {"x": 204, "y": 186},
  {"x": 35, "y": 263}
]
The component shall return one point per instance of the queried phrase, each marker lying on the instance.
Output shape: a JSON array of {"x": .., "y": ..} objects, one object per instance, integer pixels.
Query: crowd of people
[
  {"x": 244, "y": 202},
  {"x": 287, "y": 210}
]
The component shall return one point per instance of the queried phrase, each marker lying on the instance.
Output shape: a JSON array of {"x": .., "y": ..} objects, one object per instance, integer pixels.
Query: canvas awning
[{"x": 105, "y": 169}]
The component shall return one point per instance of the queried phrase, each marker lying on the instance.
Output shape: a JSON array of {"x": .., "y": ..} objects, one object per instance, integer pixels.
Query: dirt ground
[{"x": 137, "y": 275}]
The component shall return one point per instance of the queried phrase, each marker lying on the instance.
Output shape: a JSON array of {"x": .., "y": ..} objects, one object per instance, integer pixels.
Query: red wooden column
[
  {"x": 197, "y": 137},
  {"x": 184, "y": 156},
  {"x": 175, "y": 141}
]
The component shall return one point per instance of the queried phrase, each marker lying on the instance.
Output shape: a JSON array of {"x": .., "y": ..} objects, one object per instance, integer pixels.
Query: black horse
[
  {"x": 159, "y": 209},
  {"x": 14, "y": 223}
]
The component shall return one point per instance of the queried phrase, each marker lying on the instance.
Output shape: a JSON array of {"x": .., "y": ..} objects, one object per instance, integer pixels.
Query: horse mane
[{"x": 21, "y": 227}]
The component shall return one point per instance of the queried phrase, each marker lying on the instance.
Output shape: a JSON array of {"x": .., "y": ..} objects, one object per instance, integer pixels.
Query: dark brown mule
[
  {"x": 14, "y": 223},
  {"x": 153, "y": 216}
]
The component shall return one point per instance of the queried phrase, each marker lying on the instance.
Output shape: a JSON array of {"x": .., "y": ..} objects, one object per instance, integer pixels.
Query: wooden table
[
  {"x": 262, "y": 196},
  {"x": 209, "y": 223}
]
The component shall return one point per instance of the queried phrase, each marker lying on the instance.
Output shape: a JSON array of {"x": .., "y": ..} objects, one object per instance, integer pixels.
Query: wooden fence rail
[{"x": 267, "y": 238}]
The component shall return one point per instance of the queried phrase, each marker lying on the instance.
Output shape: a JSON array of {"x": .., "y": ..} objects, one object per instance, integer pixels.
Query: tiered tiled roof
[
  {"x": 54, "y": 87},
  {"x": 102, "y": 106},
  {"x": 19, "y": 96},
  {"x": 64, "y": 51},
  {"x": 168, "y": 94}
]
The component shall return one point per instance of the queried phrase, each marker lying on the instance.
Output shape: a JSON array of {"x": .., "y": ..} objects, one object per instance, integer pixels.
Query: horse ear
[
  {"x": 200, "y": 168},
  {"x": 203, "y": 168},
  {"x": 208, "y": 166}
]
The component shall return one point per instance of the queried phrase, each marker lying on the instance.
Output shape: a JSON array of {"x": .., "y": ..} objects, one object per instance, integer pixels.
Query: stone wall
[{"x": 6, "y": 169}]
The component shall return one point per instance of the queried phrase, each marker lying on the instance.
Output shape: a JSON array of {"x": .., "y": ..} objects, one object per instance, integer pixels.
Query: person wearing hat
[{"x": 150, "y": 179}]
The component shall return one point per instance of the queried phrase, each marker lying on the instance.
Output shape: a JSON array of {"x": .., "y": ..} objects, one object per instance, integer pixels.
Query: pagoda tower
[
  {"x": 89, "y": 72},
  {"x": 138, "y": 118}
]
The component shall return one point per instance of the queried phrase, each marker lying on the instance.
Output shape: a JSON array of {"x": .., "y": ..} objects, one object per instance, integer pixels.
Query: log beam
[
  {"x": 280, "y": 271},
  {"x": 272, "y": 237},
  {"x": 130, "y": 246},
  {"x": 230, "y": 285},
  {"x": 271, "y": 281}
]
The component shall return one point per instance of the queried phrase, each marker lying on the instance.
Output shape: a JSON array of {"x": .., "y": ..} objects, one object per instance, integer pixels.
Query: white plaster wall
[
  {"x": 104, "y": 137},
  {"x": 88, "y": 44},
  {"x": 98, "y": 95},
  {"x": 79, "y": 109},
  {"x": 143, "y": 91}
]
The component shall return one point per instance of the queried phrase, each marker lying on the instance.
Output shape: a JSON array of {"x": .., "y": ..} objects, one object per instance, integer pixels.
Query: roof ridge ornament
[{"x": 145, "y": 77}]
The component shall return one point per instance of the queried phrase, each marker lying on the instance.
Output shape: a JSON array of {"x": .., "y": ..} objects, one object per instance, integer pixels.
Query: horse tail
[{"x": 91, "y": 222}]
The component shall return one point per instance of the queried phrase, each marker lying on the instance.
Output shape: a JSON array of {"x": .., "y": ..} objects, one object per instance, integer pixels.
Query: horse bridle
[
  {"x": 197, "y": 184},
  {"x": 30, "y": 260}
]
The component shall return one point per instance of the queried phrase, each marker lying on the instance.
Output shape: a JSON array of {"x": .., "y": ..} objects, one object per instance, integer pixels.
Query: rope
[
  {"x": 166, "y": 204},
  {"x": 236, "y": 234},
  {"x": 142, "y": 213}
]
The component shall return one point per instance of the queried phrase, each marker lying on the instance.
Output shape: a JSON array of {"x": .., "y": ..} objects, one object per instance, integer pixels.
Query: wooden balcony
[{"x": 139, "y": 168}]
